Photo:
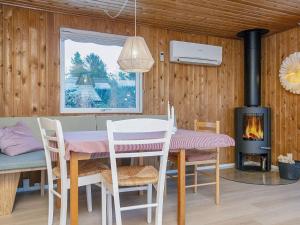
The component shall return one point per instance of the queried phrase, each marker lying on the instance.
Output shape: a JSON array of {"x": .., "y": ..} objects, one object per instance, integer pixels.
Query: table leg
[
  {"x": 74, "y": 189},
  {"x": 181, "y": 188}
]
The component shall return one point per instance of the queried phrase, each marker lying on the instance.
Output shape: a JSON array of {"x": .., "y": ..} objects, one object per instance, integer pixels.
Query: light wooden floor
[{"x": 241, "y": 204}]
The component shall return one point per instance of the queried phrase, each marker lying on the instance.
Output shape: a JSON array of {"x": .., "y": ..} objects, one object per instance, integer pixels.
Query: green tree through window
[{"x": 97, "y": 88}]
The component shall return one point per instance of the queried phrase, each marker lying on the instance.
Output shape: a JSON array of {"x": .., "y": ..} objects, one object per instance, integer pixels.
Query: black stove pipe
[{"x": 252, "y": 65}]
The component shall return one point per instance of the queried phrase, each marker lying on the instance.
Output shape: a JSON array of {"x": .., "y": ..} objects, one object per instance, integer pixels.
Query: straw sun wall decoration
[{"x": 289, "y": 73}]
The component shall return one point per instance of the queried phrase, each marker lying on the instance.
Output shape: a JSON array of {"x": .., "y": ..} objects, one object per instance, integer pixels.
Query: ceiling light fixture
[{"x": 135, "y": 55}]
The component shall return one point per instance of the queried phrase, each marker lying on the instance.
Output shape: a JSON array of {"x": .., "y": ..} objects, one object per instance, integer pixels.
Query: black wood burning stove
[
  {"x": 253, "y": 136},
  {"x": 253, "y": 122}
]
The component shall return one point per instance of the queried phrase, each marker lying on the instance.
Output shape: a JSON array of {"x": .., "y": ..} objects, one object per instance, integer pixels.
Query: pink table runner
[{"x": 96, "y": 142}]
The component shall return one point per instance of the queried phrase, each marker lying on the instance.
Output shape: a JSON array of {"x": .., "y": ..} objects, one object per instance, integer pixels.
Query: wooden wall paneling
[
  {"x": 298, "y": 105},
  {"x": 229, "y": 107},
  {"x": 191, "y": 79},
  {"x": 221, "y": 76},
  {"x": 1, "y": 61},
  {"x": 201, "y": 96},
  {"x": 279, "y": 94},
  {"x": 292, "y": 103},
  {"x": 50, "y": 64},
  {"x": 163, "y": 74},
  {"x": 147, "y": 77},
  {"x": 173, "y": 76},
  {"x": 182, "y": 88},
  {"x": 26, "y": 76},
  {"x": 282, "y": 55},
  {"x": 42, "y": 81},
  {"x": 284, "y": 105},
  {"x": 155, "y": 70},
  {"x": 172, "y": 36},
  {"x": 179, "y": 87},
  {"x": 206, "y": 93},
  {"x": 34, "y": 60},
  {"x": 285, "y": 111},
  {"x": 271, "y": 87},
  {"x": 189, "y": 95},
  {"x": 8, "y": 39},
  {"x": 238, "y": 82},
  {"x": 274, "y": 64},
  {"x": 281, "y": 47},
  {"x": 212, "y": 73},
  {"x": 55, "y": 45},
  {"x": 227, "y": 93},
  {"x": 17, "y": 59}
]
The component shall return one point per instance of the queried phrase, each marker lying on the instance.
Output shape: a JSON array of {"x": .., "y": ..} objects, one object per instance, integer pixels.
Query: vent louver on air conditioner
[{"x": 192, "y": 53}]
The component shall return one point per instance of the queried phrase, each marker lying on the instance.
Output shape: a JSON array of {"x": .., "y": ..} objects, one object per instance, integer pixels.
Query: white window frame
[{"x": 139, "y": 80}]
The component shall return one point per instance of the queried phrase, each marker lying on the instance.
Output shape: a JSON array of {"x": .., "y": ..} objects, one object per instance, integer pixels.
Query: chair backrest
[
  {"x": 143, "y": 129},
  {"x": 207, "y": 126},
  {"x": 53, "y": 141}
]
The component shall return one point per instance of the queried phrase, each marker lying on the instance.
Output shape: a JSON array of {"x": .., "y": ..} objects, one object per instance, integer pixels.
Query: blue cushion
[{"x": 23, "y": 161}]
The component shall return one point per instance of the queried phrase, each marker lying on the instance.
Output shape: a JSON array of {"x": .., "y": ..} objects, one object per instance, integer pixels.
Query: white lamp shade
[{"x": 135, "y": 56}]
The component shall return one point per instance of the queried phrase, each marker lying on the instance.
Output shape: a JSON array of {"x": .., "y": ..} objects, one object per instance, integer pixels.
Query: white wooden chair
[
  {"x": 89, "y": 171},
  {"x": 135, "y": 178},
  {"x": 196, "y": 158}
]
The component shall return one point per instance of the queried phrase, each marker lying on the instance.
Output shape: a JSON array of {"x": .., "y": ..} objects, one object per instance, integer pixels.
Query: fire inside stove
[{"x": 253, "y": 127}]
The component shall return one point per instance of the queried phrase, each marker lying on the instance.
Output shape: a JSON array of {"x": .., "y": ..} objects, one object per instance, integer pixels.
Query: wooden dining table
[{"x": 83, "y": 145}]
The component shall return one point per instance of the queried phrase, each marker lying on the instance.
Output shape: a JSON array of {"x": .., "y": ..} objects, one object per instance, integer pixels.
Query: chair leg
[
  {"x": 43, "y": 181},
  {"x": 109, "y": 208},
  {"x": 159, "y": 200},
  {"x": 89, "y": 198},
  {"x": 218, "y": 178},
  {"x": 103, "y": 204},
  {"x": 149, "y": 201},
  {"x": 159, "y": 208},
  {"x": 166, "y": 186},
  {"x": 117, "y": 209},
  {"x": 63, "y": 206},
  {"x": 51, "y": 206},
  {"x": 195, "y": 178}
]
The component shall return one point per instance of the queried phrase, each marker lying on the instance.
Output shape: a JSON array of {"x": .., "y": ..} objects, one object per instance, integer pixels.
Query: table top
[{"x": 96, "y": 142}]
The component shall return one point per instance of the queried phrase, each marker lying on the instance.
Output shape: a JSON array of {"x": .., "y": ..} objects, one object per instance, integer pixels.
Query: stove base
[{"x": 264, "y": 164}]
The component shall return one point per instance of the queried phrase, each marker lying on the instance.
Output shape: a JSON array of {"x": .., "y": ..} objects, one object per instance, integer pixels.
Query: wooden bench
[{"x": 10, "y": 169}]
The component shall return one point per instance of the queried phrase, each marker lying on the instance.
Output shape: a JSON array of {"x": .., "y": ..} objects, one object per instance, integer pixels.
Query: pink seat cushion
[
  {"x": 200, "y": 155},
  {"x": 18, "y": 139}
]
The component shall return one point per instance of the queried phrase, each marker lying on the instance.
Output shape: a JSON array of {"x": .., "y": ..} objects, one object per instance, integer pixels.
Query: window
[{"x": 91, "y": 80}]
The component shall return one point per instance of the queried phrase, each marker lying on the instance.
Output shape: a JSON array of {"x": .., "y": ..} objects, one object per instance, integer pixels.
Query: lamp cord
[{"x": 120, "y": 11}]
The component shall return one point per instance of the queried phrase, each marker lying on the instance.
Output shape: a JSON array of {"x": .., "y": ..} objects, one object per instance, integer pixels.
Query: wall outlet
[{"x": 162, "y": 56}]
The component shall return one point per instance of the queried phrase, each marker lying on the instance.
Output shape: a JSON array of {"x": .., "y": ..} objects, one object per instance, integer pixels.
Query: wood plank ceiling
[{"x": 214, "y": 17}]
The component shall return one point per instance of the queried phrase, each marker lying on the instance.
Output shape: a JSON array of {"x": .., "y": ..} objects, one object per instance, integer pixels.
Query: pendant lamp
[{"x": 135, "y": 55}]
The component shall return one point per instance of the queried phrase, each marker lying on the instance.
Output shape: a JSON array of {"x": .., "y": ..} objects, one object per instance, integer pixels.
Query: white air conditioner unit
[{"x": 193, "y": 53}]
